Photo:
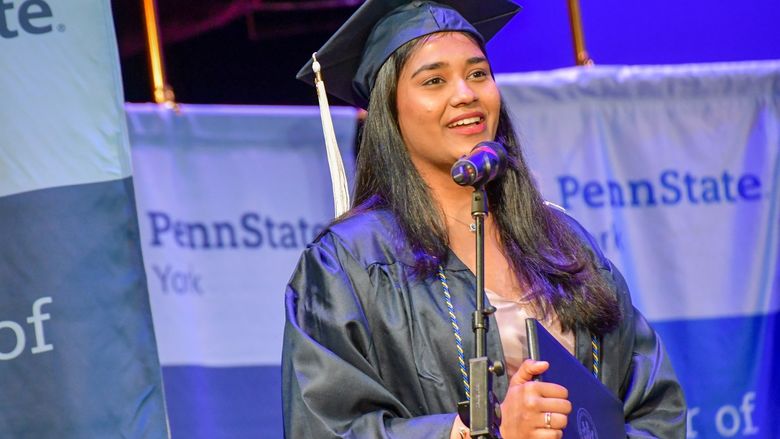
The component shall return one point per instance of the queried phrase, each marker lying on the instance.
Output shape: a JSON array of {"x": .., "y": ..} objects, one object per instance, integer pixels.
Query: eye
[
  {"x": 433, "y": 81},
  {"x": 479, "y": 74}
]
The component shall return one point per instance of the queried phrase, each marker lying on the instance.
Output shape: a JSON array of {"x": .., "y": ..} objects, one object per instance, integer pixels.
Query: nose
[{"x": 463, "y": 94}]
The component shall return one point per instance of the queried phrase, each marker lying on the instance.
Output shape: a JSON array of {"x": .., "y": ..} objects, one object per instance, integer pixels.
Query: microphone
[{"x": 485, "y": 163}]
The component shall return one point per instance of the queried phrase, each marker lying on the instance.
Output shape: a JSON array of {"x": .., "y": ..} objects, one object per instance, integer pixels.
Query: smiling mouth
[{"x": 467, "y": 121}]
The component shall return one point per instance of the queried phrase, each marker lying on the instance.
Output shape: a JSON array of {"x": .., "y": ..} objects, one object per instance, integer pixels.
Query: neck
[{"x": 453, "y": 200}]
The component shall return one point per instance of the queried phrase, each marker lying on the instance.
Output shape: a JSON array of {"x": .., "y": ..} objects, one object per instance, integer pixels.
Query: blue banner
[
  {"x": 676, "y": 172},
  {"x": 78, "y": 355}
]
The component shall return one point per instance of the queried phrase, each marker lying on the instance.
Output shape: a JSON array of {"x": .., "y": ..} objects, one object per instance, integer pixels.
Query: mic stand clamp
[{"x": 482, "y": 413}]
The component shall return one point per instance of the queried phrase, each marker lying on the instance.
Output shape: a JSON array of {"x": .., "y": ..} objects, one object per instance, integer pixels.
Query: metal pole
[
  {"x": 163, "y": 93},
  {"x": 575, "y": 20},
  {"x": 484, "y": 408}
]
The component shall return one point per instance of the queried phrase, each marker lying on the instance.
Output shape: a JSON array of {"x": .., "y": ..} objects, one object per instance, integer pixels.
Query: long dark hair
[{"x": 544, "y": 252}]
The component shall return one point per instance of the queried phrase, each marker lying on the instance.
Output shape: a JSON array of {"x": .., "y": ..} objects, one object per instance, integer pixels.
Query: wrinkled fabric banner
[
  {"x": 228, "y": 199},
  {"x": 78, "y": 356},
  {"x": 676, "y": 171}
]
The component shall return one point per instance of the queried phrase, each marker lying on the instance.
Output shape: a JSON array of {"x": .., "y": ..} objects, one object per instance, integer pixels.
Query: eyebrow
[{"x": 438, "y": 65}]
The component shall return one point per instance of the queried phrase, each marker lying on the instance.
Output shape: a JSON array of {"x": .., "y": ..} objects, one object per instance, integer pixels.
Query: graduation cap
[{"x": 351, "y": 58}]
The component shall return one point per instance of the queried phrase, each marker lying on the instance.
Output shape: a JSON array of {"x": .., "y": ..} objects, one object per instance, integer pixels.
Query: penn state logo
[{"x": 585, "y": 425}]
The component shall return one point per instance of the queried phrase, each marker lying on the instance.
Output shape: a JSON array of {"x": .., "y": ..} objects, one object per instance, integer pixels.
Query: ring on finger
[{"x": 547, "y": 420}]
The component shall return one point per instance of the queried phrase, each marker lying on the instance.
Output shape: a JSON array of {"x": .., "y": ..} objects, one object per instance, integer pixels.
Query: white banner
[
  {"x": 50, "y": 97},
  {"x": 228, "y": 198},
  {"x": 674, "y": 169}
]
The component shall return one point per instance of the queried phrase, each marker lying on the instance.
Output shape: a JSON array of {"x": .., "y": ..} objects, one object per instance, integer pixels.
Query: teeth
[{"x": 462, "y": 122}]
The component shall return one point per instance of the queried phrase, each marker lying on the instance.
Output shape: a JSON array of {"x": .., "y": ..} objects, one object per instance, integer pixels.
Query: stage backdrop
[
  {"x": 674, "y": 170},
  {"x": 77, "y": 349}
]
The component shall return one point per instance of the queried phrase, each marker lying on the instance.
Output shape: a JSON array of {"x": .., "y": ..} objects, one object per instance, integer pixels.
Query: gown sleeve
[
  {"x": 653, "y": 400},
  {"x": 331, "y": 380}
]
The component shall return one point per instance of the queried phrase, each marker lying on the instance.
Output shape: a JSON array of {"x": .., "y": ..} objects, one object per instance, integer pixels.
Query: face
[{"x": 447, "y": 101}]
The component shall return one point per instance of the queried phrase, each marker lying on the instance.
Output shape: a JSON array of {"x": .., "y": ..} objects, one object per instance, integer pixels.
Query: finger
[
  {"x": 554, "y": 405},
  {"x": 528, "y": 370},
  {"x": 542, "y": 389},
  {"x": 552, "y": 390},
  {"x": 541, "y": 433},
  {"x": 553, "y": 421}
]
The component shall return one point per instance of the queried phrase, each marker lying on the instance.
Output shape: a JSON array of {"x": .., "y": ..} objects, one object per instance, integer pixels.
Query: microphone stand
[{"x": 483, "y": 412}]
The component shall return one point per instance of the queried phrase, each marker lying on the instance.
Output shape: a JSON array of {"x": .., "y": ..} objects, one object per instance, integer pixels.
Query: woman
[{"x": 371, "y": 349}]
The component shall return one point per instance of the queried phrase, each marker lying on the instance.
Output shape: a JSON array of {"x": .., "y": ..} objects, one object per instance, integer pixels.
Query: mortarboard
[{"x": 351, "y": 58}]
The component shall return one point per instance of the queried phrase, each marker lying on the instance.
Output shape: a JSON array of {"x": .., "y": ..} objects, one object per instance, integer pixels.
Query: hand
[{"x": 523, "y": 412}]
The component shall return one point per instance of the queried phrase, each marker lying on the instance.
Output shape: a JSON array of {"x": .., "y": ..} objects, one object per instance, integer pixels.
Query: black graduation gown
[{"x": 369, "y": 350}]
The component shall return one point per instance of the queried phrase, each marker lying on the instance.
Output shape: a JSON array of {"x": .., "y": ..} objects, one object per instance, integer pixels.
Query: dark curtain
[{"x": 183, "y": 19}]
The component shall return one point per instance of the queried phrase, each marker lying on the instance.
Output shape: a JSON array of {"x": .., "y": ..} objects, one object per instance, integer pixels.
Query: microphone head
[{"x": 486, "y": 162}]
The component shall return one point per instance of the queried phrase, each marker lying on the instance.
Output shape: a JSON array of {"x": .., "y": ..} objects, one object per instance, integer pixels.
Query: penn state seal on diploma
[{"x": 585, "y": 425}]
